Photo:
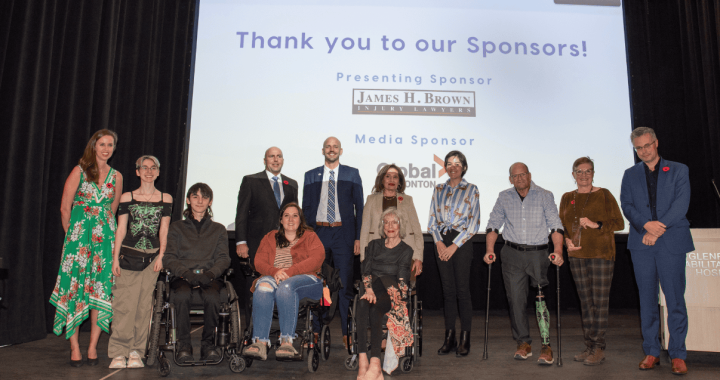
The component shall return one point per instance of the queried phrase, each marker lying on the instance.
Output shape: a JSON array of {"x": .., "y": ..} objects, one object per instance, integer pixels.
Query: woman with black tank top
[{"x": 143, "y": 220}]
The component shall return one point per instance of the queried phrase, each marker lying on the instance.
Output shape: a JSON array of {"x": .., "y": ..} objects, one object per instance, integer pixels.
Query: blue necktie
[
  {"x": 276, "y": 190},
  {"x": 331, "y": 198}
]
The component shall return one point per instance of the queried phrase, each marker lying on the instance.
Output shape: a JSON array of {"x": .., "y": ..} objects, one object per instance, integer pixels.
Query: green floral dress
[{"x": 85, "y": 276}]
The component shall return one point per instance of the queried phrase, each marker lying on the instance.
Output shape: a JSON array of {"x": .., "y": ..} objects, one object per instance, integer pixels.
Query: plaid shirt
[
  {"x": 455, "y": 208},
  {"x": 528, "y": 221}
]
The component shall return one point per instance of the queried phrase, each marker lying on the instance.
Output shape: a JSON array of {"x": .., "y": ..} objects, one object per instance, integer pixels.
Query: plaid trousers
[{"x": 593, "y": 278}]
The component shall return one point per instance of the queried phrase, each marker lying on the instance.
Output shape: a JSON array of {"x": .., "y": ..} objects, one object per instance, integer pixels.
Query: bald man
[
  {"x": 261, "y": 197},
  {"x": 333, "y": 206}
]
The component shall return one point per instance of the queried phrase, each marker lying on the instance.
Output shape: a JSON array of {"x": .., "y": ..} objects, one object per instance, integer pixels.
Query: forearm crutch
[
  {"x": 559, "y": 340},
  {"x": 487, "y": 312}
]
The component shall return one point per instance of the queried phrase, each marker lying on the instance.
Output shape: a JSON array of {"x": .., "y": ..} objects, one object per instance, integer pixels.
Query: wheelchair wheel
[
  {"x": 313, "y": 361},
  {"x": 164, "y": 366},
  {"x": 155, "y": 323},
  {"x": 325, "y": 343},
  {"x": 352, "y": 363},
  {"x": 237, "y": 363},
  {"x": 235, "y": 324},
  {"x": 406, "y": 364},
  {"x": 351, "y": 324}
]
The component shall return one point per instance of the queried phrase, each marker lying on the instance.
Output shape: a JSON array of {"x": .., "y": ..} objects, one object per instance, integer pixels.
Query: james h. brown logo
[{"x": 413, "y": 102}]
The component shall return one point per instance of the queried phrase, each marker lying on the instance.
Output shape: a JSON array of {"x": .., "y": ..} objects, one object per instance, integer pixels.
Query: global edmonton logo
[
  {"x": 413, "y": 102},
  {"x": 421, "y": 176}
]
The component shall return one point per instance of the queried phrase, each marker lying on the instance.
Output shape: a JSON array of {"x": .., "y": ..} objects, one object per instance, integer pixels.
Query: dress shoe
[
  {"x": 679, "y": 367},
  {"x": 649, "y": 362},
  {"x": 583, "y": 355},
  {"x": 184, "y": 353},
  {"x": 92, "y": 362},
  {"x": 546, "y": 356},
  {"x": 76, "y": 363},
  {"x": 449, "y": 344},
  {"x": 523, "y": 352},
  {"x": 463, "y": 347},
  {"x": 596, "y": 357}
]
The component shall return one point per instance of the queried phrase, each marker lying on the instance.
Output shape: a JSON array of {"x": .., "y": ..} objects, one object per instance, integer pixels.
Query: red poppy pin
[
  {"x": 572, "y": 202},
  {"x": 665, "y": 169},
  {"x": 285, "y": 182},
  {"x": 399, "y": 198},
  {"x": 109, "y": 185}
]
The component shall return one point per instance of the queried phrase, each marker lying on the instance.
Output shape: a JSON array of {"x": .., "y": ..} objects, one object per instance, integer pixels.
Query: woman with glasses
[
  {"x": 143, "y": 220},
  {"x": 590, "y": 217},
  {"x": 454, "y": 216}
]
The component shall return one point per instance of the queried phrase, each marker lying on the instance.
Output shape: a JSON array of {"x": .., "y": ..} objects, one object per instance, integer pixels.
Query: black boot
[
  {"x": 449, "y": 344},
  {"x": 463, "y": 347}
]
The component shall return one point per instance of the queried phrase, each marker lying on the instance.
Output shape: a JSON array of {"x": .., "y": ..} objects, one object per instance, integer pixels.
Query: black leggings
[{"x": 376, "y": 313}]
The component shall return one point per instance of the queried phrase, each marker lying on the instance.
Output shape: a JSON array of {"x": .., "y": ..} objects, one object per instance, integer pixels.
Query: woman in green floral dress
[{"x": 89, "y": 202}]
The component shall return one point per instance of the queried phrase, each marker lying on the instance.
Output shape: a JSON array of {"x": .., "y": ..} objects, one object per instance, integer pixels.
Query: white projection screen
[{"x": 538, "y": 81}]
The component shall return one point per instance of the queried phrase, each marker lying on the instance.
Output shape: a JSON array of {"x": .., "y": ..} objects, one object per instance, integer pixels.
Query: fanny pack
[{"x": 133, "y": 260}]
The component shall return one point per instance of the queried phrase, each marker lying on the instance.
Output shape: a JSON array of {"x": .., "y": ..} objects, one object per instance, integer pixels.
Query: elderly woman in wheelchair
[
  {"x": 385, "y": 274},
  {"x": 288, "y": 260}
]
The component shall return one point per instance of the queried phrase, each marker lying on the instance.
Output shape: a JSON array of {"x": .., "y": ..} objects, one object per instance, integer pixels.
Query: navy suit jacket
[
  {"x": 673, "y": 199},
  {"x": 350, "y": 200}
]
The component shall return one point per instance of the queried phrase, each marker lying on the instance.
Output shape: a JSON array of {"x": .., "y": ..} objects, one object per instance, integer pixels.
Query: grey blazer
[{"x": 371, "y": 220}]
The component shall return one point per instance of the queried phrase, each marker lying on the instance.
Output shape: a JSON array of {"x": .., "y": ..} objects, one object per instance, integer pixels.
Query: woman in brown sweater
[
  {"x": 590, "y": 217},
  {"x": 289, "y": 260}
]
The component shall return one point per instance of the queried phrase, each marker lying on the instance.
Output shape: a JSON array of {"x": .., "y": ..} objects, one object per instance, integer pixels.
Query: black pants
[
  {"x": 376, "y": 313},
  {"x": 455, "y": 278},
  {"x": 181, "y": 296}
]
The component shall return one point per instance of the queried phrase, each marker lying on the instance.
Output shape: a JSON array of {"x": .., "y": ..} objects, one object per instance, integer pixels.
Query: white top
[
  {"x": 322, "y": 206},
  {"x": 280, "y": 183}
]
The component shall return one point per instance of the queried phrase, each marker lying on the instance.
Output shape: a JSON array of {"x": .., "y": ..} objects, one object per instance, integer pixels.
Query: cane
[
  {"x": 559, "y": 340},
  {"x": 487, "y": 311}
]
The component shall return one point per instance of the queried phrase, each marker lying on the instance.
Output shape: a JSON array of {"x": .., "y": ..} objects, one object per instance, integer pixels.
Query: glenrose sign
[
  {"x": 413, "y": 102},
  {"x": 419, "y": 176}
]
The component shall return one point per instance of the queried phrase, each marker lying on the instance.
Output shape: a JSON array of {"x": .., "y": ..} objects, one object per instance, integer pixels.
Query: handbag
[{"x": 133, "y": 260}]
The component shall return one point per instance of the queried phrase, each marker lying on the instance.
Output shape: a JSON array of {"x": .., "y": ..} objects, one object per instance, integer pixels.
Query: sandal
[
  {"x": 261, "y": 352},
  {"x": 286, "y": 351}
]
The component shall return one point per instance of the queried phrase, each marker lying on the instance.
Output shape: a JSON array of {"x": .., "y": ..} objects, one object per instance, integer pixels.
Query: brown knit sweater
[{"x": 601, "y": 207}]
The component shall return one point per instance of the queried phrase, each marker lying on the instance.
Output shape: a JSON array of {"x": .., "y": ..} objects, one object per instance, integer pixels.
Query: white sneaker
[
  {"x": 134, "y": 360},
  {"x": 118, "y": 362}
]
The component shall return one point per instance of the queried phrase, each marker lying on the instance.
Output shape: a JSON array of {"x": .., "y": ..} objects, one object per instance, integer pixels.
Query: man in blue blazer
[
  {"x": 655, "y": 196},
  {"x": 333, "y": 206}
]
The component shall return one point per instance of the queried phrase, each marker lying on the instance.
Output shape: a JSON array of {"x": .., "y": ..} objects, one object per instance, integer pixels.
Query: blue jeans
[{"x": 287, "y": 295}]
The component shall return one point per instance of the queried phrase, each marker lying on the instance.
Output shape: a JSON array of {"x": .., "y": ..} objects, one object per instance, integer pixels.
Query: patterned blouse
[{"x": 455, "y": 208}]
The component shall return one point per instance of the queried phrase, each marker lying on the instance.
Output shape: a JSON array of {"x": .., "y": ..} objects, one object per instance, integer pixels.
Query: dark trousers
[
  {"x": 341, "y": 257},
  {"x": 517, "y": 268},
  {"x": 657, "y": 265},
  {"x": 181, "y": 297},
  {"x": 593, "y": 278},
  {"x": 376, "y": 315},
  {"x": 455, "y": 278}
]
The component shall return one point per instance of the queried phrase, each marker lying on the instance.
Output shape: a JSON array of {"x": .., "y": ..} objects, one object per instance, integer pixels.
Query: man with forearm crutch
[{"x": 528, "y": 213}]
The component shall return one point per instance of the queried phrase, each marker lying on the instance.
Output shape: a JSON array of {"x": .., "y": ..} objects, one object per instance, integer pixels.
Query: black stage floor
[{"x": 49, "y": 358}]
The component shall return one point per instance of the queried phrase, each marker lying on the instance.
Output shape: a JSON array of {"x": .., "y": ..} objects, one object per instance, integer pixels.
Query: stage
[{"x": 49, "y": 357}]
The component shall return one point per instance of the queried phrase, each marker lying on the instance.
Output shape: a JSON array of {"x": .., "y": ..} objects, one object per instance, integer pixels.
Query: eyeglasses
[
  {"x": 151, "y": 168},
  {"x": 646, "y": 146},
  {"x": 392, "y": 222},
  {"x": 584, "y": 172},
  {"x": 521, "y": 175}
]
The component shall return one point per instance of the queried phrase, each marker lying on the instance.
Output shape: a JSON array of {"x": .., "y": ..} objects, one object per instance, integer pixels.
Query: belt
[
  {"x": 325, "y": 224},
  {"x": 525, "y": 247}
]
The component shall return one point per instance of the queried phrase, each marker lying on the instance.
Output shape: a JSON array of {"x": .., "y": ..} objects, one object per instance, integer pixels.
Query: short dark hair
[
  {"x": 461, "y": 157},
  {"x": 280, "y": 240},
  {"x": 206, "y": 192},
  {"x": 379, "y": 187}
]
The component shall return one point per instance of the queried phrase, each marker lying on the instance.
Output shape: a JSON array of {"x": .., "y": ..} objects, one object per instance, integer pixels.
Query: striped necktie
[{"x": 331, "y": 198}]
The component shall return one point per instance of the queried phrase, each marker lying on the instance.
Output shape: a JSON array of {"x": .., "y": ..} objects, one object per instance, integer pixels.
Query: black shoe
[
  {"x": 463, "y": 347},
  {"x": 184, "y": 353},
  {"x": 210, "y": 353},
  {"x": 93, "y": 362},
  {"x": 76, "y": 363},
  {"x": 449, "y": 344}
]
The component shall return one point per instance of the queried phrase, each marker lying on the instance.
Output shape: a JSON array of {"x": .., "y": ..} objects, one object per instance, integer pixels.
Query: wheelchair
[
  {"x": 412, "y": 353},
  {"x": 163, "y": 331},
  {"x": 304, "y": 344}
]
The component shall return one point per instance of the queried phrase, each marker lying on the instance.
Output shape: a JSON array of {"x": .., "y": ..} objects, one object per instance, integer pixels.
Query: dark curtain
[
  {"x": 674, "y": 63},
  {"x": 67, "y": 69}
]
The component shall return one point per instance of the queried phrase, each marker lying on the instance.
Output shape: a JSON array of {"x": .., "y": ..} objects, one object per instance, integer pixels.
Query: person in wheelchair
[
  {"x": 197, "y": 253},
  {"x": 288, "y": 260},
  {"x": 385, "y": 273}
]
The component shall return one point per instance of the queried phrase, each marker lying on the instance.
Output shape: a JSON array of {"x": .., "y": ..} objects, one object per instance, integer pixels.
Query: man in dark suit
[
  {"x": 333, "y": 206},
  {"x": 655, "y": 196},
  {"x": 259, "y": 201}
]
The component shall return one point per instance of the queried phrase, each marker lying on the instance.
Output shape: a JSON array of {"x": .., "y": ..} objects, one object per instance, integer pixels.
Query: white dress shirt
[{"x": 322, "y": 207}]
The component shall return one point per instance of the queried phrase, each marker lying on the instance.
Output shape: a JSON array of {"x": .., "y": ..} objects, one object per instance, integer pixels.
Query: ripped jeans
[{"x": 287, "y": 295}]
